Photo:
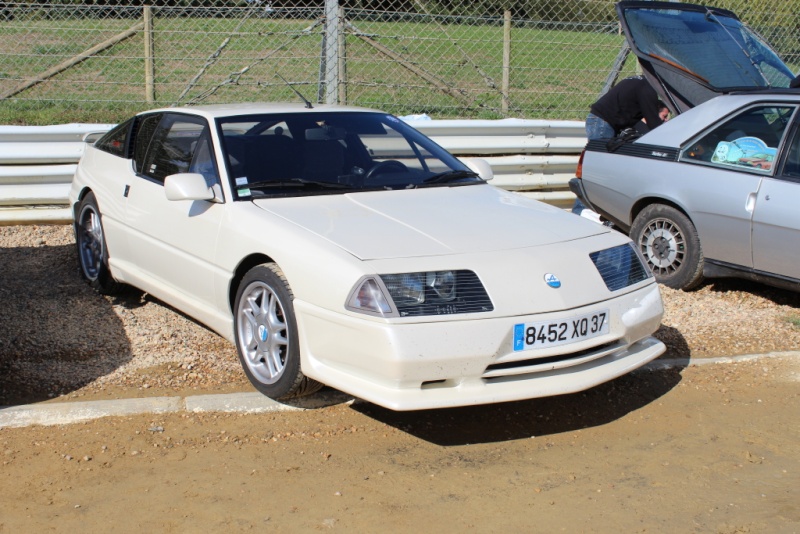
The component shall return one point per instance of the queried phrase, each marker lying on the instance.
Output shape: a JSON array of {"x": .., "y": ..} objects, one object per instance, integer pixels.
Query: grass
[
  {"x": 553, "y": 74},
  {"x": 793, "y": 320}
]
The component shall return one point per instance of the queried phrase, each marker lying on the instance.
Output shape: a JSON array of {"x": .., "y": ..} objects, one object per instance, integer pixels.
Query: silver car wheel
[
  {"x": 267, "y": 341},
  {"x": 663, "y": 246},
  {"x": 262, "y": 333},
  {"x": 670, "y": 244}
]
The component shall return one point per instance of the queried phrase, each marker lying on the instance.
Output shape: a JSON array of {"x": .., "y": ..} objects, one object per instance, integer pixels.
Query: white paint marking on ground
[{"x": 62, "y": 413}]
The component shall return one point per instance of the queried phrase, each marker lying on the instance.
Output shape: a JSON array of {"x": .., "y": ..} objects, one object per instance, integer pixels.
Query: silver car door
[
  {"x": 173, "y": 242},
  {"x": 729, "y": 165},
  {"x": 776, "y": 221}
]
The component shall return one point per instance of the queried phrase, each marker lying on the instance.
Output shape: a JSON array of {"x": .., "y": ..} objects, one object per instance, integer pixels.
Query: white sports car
[{"x": 338, "y": 245}]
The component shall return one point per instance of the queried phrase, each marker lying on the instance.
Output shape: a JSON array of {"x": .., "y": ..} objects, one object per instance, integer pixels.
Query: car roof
[
  {"x": 683, "y": 127},
  {"x": 214, "y": 111}
]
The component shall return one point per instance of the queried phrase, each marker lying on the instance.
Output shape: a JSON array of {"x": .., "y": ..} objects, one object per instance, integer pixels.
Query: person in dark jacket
[
  {"x": 628, "y": 102},
  {"x": 624, "y": 106}
]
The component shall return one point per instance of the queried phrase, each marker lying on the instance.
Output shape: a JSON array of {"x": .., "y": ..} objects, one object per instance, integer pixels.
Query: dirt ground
[
  {"x": 713, "y": 448},
  {"x": 707, "y": 448}
]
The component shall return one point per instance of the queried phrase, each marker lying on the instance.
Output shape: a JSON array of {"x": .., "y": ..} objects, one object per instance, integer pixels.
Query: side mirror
[
  {"x": 479, "y": 166},
  {"x": 187, "y": 186}
]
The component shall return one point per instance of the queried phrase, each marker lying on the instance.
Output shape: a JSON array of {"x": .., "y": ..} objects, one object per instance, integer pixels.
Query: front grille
[{"x": 535, "y": 364}]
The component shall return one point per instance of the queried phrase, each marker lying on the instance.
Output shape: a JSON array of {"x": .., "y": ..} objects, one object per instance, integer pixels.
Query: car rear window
[{"x": 718, "y": 49}]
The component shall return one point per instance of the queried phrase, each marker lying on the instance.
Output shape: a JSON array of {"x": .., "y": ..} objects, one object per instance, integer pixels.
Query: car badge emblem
[
  {"x": 552, "y": 280},
  {"x": 262, "y": 332}
]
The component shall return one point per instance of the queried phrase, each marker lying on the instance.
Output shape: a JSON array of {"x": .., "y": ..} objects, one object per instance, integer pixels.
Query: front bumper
[{"x": 446, "y": 363}]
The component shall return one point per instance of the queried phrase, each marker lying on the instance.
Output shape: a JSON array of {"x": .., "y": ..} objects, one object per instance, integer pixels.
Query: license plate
[{"x": 554, "y": 333}]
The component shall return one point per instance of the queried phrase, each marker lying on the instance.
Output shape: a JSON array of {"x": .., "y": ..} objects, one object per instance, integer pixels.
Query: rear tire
[
  {"x": 670, "y": 245},
  {"x": 92, "y": 251},
  {"x": 266, "y": 335}
]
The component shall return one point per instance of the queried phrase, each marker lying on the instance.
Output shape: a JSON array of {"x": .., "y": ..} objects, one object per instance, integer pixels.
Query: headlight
[
  {"x": 423, "y": 293},
  {"x": 406, "y": 289},
  {"x": 443, "y": 284},
  {"x": 620, "y": 266}
]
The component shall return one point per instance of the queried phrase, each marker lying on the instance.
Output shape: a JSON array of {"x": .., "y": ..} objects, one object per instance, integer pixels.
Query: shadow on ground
[
  {"x": 778, "y": 296},
  {"x": 56, "y": 333},
  {"x": 677, "y": 347},
  {"x": 538, "y": 417}
]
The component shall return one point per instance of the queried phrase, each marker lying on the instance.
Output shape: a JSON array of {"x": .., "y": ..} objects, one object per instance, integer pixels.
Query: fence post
[
  {"x": 149, "y": 62},
  {"x": 506, "y": 61},
  {"x": 331, "y": 53},
  {"x": 342, "y": 61}
]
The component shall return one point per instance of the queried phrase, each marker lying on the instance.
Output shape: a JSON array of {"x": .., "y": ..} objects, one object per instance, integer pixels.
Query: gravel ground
[{"x": 58, "y": 337}]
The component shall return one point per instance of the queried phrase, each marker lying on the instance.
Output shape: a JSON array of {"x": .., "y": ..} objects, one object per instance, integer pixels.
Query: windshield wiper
[
  {"x": 296, "y": 182},
  {"x": 449, "y": 176}
]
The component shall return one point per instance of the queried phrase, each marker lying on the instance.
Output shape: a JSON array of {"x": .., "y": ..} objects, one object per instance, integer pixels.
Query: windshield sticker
[
  {"x": 241, "y": 187},
  {"x": 745, "y": 152}
]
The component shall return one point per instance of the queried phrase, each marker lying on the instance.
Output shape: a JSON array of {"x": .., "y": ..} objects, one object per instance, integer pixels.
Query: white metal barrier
[{"x": 534, "y": 158}]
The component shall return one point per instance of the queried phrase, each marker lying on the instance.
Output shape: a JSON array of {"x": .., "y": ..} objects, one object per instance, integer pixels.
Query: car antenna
[{"x": 304, "y": 99}]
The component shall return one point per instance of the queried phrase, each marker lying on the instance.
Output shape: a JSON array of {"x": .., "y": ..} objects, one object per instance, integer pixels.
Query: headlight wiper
[
  {"x": 448, "y": 176},
  {"x": 295, "y": 182}
]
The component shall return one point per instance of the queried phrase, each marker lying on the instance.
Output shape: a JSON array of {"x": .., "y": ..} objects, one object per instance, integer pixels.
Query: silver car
[{"x": 711, "y": 192}]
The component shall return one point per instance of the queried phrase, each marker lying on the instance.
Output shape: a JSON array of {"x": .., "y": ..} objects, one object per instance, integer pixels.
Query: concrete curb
[{"x": 253, "y": 402}]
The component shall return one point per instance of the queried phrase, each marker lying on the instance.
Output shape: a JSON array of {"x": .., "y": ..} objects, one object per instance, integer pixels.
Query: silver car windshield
[{"x": 328, "y": 152}]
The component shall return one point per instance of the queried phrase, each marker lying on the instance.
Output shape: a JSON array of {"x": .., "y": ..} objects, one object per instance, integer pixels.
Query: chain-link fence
[{"x": 542, "y": 59}]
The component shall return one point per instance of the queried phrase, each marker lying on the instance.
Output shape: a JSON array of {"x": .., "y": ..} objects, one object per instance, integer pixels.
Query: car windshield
[
  {"x": 712, "y": 45},
  {"x": 332, "y": 152}
]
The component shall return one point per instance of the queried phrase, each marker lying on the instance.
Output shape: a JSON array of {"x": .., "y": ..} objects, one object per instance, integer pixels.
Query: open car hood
[{"x": 692, "y": 53}]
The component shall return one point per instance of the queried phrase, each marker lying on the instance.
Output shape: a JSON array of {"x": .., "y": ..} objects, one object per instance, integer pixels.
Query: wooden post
[
  {"x": 506, "y": 61},
  {"x": 149, "y": 61},
  {"x": 64, "y": 65}
]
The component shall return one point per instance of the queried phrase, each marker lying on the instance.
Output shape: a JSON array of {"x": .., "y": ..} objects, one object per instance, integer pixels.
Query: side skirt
[{"x": 720, "y": 269}]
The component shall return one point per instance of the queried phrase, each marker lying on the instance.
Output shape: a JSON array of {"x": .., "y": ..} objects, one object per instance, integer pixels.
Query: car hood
[
  {"x": 432, "y": 221},
  {"x": 691, "y": 53}
]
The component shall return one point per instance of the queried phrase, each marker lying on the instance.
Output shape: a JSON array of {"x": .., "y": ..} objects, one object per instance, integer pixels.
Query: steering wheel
[{"x": 388, "y": 166}]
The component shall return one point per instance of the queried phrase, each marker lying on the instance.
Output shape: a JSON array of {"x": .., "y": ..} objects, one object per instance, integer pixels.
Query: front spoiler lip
[{"x": 478, "y": 391}]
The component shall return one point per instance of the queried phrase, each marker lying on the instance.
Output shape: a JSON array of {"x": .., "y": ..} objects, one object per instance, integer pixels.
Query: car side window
[
  {"x": 749, "y": 141},
  {"x": 174, "y": 145},
  {"x": 791, "y": 165},
  {"x": 116, "y": 141},
  {"x": 203, "y": 159},
  {"x": 144, "y": 129}
]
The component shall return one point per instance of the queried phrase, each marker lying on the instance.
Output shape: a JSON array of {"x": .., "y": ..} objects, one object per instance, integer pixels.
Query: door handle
[
  {"x": 127, "y": 190},
  {"x": 750, "y": 205}
]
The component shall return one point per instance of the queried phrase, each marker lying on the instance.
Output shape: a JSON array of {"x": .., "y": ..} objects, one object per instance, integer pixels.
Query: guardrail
[{"x": 534, "y": 158}]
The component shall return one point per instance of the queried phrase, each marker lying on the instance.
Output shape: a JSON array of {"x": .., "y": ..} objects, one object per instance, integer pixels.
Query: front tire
[
  {"x": 266, "y": 335},
  {"x": 670, "y": 245},
  {"x": 92, "y": 251}
]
